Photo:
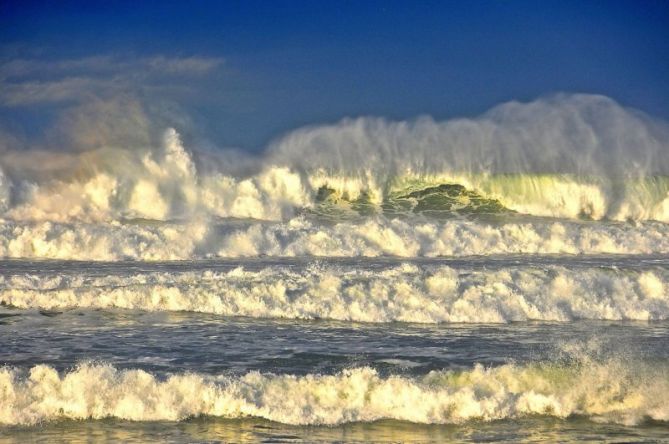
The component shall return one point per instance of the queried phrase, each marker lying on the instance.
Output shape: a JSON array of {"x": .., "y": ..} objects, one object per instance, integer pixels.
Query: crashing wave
[
  {"x": 301, "y": 236},
  {"x": 405, "y": 293},
  {"x": 577, "y": 156},
  {"x": 627, "y": 393}
]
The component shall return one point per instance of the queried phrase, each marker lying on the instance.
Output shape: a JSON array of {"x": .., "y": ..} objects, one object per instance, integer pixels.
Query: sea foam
[
  {"x": 620, "y": 392},
  {"x": 302, "y": 236},
  {"x": 406, "y": 293}
]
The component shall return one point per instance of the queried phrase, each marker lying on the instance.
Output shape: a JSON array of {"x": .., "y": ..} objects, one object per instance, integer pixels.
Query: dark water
[{"x": 182, "y": 342}]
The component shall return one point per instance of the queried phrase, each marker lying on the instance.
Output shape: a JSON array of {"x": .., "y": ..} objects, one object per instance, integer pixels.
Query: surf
[
  {"x": 411, "y": 293},
  {"x": 564, "y": 156},
  {"x": 609, "y": 391}
]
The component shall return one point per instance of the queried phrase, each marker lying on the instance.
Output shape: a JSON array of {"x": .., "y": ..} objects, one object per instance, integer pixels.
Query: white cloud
[{"x": 25, "y": 82}]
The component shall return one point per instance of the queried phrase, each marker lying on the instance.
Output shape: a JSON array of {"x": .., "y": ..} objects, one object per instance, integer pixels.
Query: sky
[{"x": 241, "y": 73}]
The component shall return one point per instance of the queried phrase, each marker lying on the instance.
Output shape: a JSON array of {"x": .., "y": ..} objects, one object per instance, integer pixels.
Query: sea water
[{"x": 504, "y": 278}]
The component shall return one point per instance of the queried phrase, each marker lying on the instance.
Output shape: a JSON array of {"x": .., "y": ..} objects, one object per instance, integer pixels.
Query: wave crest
[
  {"x": 404, "y": 293},
  {"x": 610, "y": 391},
  {"x": 145, "y": 240},
  {"x": 565, "y": 156}
]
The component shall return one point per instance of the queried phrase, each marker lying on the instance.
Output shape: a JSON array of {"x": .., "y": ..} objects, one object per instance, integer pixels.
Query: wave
[
  {"x": 567, "y": 156},
  {"x": 612, "y": 391},
  {"x": 558, "y": 196},
  {"x": 406, "y": 293},
  {"x": 302, "y": 236}
]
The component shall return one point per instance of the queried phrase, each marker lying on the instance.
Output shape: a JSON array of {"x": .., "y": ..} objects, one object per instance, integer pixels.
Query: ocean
[{"x": 504, "y": 278}]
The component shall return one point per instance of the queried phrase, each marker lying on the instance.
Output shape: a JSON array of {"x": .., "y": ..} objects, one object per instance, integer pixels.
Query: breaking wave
[
  {"x": 627, "y": 393},
  {"x": 568, "y": 156},
  {"x": 406, "y": 293},
  {"x": 302, "y": 236}
]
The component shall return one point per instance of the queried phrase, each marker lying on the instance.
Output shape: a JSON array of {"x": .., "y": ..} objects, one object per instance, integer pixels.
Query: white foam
[
  {"x": 159, "y": 184},
  {"x": 303, "y": 237},
  {"x": 611, "y": 392},
  {"x": 404, "y": 293},
  {"x": 565, "y": 156}
]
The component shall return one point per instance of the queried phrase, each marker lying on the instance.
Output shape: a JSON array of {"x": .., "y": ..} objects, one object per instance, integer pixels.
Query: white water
[
  {"x": 405, "y": 293},
  {"x": 565, "y": 156},
  {"x": 304, "y": 237},
  {"x": 623, "y": 392}
]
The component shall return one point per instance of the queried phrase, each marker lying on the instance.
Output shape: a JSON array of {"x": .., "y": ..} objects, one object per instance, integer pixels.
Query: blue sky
[{"x": 242, "y": 73}]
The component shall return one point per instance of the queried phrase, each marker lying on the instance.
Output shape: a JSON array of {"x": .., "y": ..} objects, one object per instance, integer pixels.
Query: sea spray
[{"x": 566, "y": 156}]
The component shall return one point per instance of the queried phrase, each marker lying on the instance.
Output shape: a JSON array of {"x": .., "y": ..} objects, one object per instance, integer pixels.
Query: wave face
[
  {"x": 568, "y": 156},
  {"x": 612, "y": 391},
  {"x": 405, "y": 293}
]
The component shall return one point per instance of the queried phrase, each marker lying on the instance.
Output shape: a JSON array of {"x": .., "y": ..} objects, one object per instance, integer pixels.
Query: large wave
[
  {"x": 573, "y": 156},
  {"x": 406, "y": 293},
  {"x": 622, "y": 392}
]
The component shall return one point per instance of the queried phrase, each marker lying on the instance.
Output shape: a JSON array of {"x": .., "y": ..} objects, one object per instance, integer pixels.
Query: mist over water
[
  {"x": 565, "y": 156},
  {"x": 579, "y": 135}
]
